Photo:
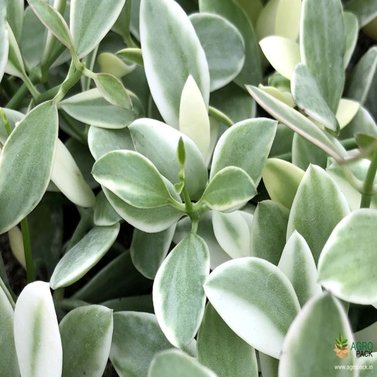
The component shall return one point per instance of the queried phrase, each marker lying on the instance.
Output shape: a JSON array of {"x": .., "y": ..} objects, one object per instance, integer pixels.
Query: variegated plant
[{"x": 169, "y": 227}]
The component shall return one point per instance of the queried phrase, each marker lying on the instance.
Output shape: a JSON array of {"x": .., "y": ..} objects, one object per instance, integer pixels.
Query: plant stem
[
  {"x": 17, "y": 99},
  {"x": 72, "y": 78},
  {"x": 30, "y": 270},
  {"x": 367, "y": 193}
]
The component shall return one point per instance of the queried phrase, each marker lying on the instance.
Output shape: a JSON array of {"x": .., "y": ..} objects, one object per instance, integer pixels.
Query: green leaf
[
  {"x": 351, "y": 31},
  {"x": 178, "y": 295},
  {"x": 159, "y": 142},
  {"x": 133, "y": 178},
  {"x": 4, "y": 38},
  {"x": 353, "y": 240},
  {"x": 229, "y": 189},
  {"x": 137, "y": 338},
  {"x": 36, "y": 332},
  {"x": 365, "y": 11},
  {"x": 53, "y": 20},
  {"x": 104, "y": 213},
  {"x": 102, "y": 140},
  {"x": 298, "y": 123},
  {"x": 362, "y": 76},
  {"x": 175, "y": 363},
  {"x": 347, "y": 110},
  {"x": 310, "y": 214},
  {"x": 245, "y": 145},
  {"x": 26, "y": 162},
  {"x": 221, "y": 350},
  {"x": 232, "y": 232},
  {"x": 298, "y": 265},
  {"x": 68, "y": 178},
  {"x": 83, "y": 256},
  {"x": 113, "y": 90},
  {"x": 251, "y": 72},
  {"x": 308, "y": 97},
  {"x": 282, "y": 53},
  {"x": 8, "y": 116},
  {"x": 148, "y": 250},
  {"x": 15, "y": 14},
  {"x": 281, "y": 179},
  {"x": 311, "y": 340},
  {"x": 15, "y": 64},
  {"x": 86, "y": 338},
  {"x": 113, "y": 64},
  {"x": 162, "y": 43},
  {"x": 193, "y": 117},
  {"x": 148, "y": 220},
  {"x": 305, "y": 153},
  {"x": 8, "y": 360},
  {"x": 264, "y": 243},
  {"x": 90, "y": 21},
  {"x": 223, "y": 45},
  {"x": 91, "y": 108},
  {"x": 367, "y": 366},
  {"x": 322, "y": 46},
  {"x": 268, "y": 320}
]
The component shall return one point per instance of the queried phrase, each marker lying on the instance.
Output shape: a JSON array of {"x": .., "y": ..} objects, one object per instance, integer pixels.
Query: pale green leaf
[
  {"x": 245, "y": 145},
  {"x": 8, "y": 360},
  {"x": 15, "y": 64},
  {"x": 310, "y": 214},
  {"x": 348, "y": 258},
  {"x": 104, "y": 213},
  {"x": 367, "y": 334},
  {"x": 308, "y": 349},
  {"x": 102, "y": 140},
  {"x": 175, "y": 363},
  {"x": 268, "y": 320},
  {"x": 281, "y": 18},
  {"x": 264, "y": 243},
  {"x": 86, "y": 334},
  {"x": 322, "y": 46},
  {"x": 148, "y": 250},
  {"x": 193, "y": 116},
  {"x": 16, "y": 244},
  {"x": 251, "y": 72},
  {"x": 111, "y": 63},
  {"x": 367, "y": 365},
  {"x": 53, "y": 20},
  {"x": 113, "y": 90},
  {"x": 269, "y": 365},
  {"x": 133, "y": 178},
  {"x": 281, "y": 179},
  {"x": 4, "y": 48},
  {"x": 90, "y": 21},
  {"x": 36, "y": 332},
  {"x": 137, "y": 338},
  {"x": 162, "y": 43},
  {"x": 298, "y": 265},
  {"x": 279, "y": 94},
  {"x": 298, "y": 123},
  {"x": 305, "y": 153},
  {"x": 351, "y": 30},
  {"x": 232, "y": 232},
  {"x": 178, "y": 295},
  {"x": 229, "y": 189},
  {"x": 67, "y": 176},
  {"x": 308, "y": 97},
  {"x": 15, "y": 14},
  {"x": 91, "y": 108},
  {"x": 223, "y": 45},
  {"x": 159, "y": 142},
  {"x": 251, "y": 8},
  {"x": 221, "y": 350},
  {"x": 26, "y": 162},
  {"x": 282, "y": 53},
  {"x": 149, "y": 220},
  {"x": 347, "y": 110},
  {"x": 11, "y": 116},
  {"x": 83, "y": 256},
  {"x": 365, "y": 11}
]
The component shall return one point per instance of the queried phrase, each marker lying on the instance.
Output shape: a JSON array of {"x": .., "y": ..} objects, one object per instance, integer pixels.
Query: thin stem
[
  {"x": 367, "y": 193},
  {"x": 32, "y": 89},
  {"x": 72, "y": 78},
  {"x": 30, "y": 270},
  {"x": 16, "y": 100}
]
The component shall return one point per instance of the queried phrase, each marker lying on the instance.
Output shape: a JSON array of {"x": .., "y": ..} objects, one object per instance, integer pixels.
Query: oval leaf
[
  {"x": 137, "y": 338},
  {"x": 178, "y": 295},
  {"x": 86, "y": 334},
  {"x": 342, "y": 269},
  {"x": 104, "y": 213},
  {"x": 26, "y": 162},
  {"x": 36, "y": 332},
  {"x": 229, "y": 189},
  {"x": 83, "y": 256},
  {"x": 4, "y": 38},
  {"x": 310, "y": 214},
  {"x": 162, "y": 43},
  {"x": 90, "y": 20},
  {"x": 268, "y": 320},
  {"x": 133, "y": 178}
]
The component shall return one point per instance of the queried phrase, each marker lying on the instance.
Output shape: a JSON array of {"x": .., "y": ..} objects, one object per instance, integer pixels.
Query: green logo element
[{"x": 341, "y": 347}]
